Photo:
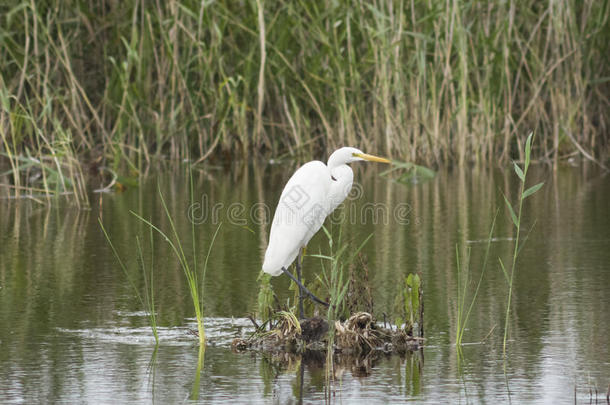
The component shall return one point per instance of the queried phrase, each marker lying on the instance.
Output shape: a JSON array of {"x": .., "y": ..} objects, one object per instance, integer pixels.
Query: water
[{"x": 71, "y": 329}]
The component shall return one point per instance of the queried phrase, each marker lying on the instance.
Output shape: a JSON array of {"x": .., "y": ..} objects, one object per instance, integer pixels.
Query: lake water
[{"x": 72, "y": 331}]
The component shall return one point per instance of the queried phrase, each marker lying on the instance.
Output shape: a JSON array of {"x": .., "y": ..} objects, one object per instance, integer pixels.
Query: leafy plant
[
  {"x": 333, "y": 276},
  {"x": 265, "y": 297},
  {"x": 335, "y": 280},
  {"x": 194, "y": 280},
  {"x": 516, "y": 219},
  {"x": 409, "y": 302}
]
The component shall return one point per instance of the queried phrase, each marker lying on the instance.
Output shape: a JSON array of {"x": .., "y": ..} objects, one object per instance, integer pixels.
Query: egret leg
[
  {"x": 305, "y": 290},
  {"x": 301, "y": 311}
]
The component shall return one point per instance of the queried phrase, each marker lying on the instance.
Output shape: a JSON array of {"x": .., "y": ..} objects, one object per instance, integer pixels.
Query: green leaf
[
  {"x": 325, "y": 257},
  {"x": 412, "y": 172},
  {"x": 424, "y": 172},
  {"x": 519, "y": 171},
  {"x": 512, "y": 213},
  {"x": 532, "y": 190},
  {"x": 528, "y": 149},
  {"x": 328, "y": 235},
  {"x": 343, "y": 292},
  {"x": 5, "y": 100}
]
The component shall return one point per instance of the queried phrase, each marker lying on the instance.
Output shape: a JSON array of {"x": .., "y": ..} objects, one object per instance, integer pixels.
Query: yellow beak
[{"x": 372, "y": 158}]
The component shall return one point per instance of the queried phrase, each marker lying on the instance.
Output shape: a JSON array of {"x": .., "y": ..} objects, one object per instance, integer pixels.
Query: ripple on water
[{"x": 220, "y": 331}]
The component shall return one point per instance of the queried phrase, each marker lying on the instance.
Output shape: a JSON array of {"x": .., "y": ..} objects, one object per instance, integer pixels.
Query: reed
[
  {"x": 86, "y": 85},
  {"x": 265, "y": 299},
  {"x": 410, "y": 312},
  {"x": 190, "y": 270},
  {"x": 516, "y": 219}
]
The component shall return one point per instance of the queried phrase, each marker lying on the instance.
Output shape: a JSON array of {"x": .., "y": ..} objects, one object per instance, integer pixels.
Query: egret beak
[{"x": 372, "y": 158}]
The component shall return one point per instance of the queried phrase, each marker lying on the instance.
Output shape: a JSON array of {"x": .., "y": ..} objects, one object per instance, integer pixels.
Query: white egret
[{"x": 311, "y": 194}]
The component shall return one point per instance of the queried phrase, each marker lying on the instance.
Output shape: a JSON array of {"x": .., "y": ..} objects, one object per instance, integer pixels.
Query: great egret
[{"x": 311, "y": 194}]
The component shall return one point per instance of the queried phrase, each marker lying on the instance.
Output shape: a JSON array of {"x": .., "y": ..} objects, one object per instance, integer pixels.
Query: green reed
[
  {"x": 194, "y": 279},
  {"x": 103, "y": 84},
  {"x": 194, "y": 394},
  {"x": 516, "y": 219},
  {"x": 408, "y": 303},
  {"x": 265, "y": 298}
]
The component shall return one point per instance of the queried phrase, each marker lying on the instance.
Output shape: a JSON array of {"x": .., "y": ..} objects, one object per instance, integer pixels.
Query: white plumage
[{"x": 311, "y": 194}]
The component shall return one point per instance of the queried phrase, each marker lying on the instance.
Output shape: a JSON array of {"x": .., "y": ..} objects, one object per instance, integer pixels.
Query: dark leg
[
  {"x": 301, "y": 311},
  {"x": 305, "y": 290}
]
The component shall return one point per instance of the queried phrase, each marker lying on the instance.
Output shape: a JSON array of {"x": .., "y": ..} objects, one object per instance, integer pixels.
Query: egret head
[{"x": 348, "y": 154}]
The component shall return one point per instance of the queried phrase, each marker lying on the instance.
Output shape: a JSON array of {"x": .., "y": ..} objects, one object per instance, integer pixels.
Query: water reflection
[
  {"x": 308, "y": 371},
  {"x": 71, "y": 329}
]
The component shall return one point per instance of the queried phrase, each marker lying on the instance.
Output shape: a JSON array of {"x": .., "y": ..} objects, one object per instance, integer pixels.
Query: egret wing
[{"x": 300, "y": 213}]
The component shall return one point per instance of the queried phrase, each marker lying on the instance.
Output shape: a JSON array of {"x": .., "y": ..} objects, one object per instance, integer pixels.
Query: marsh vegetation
[{"x": 107, "y": 87}]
